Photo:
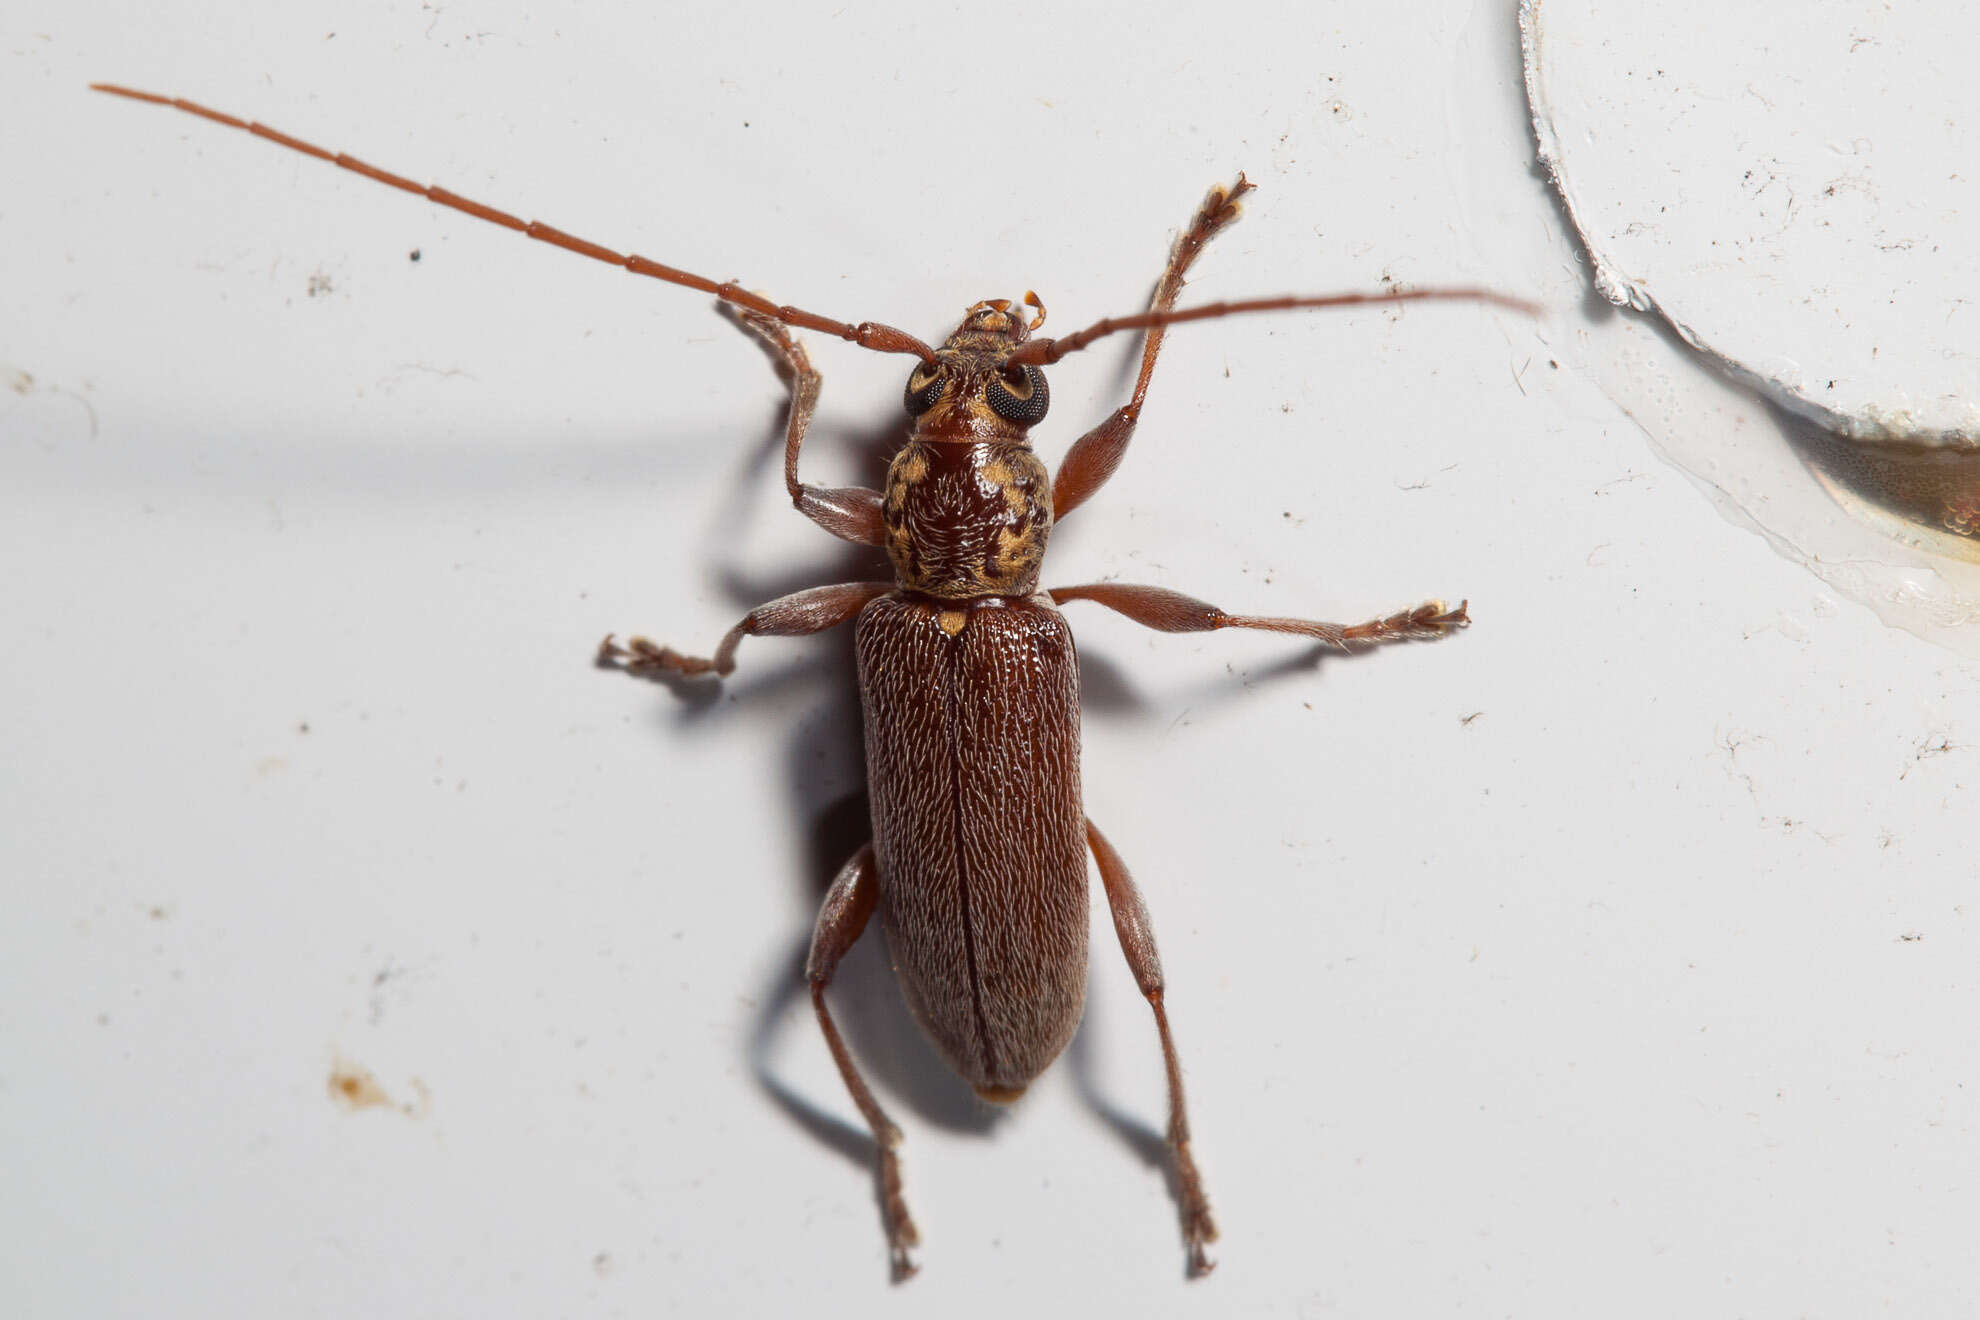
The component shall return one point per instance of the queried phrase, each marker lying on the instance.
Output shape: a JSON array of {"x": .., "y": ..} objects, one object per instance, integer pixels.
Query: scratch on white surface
[{"x": 23, "y": 382}]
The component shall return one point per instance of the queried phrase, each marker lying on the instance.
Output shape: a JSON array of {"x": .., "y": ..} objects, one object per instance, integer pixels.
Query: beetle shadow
[
  {"x": 886, "y": 1043},
  {"x": 1106, "y": 688},
  {"x": 1138, "y": 1136},
  {"x": 823, "y": 755},
  {"x": 873, "y": 446},
  {"x": 1305, "y": 662},
  {"x": 1143, "y": 1140}
]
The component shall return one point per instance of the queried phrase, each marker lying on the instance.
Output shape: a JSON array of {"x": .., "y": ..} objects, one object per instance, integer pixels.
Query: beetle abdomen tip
[{"x": 1000, "y": 1095}]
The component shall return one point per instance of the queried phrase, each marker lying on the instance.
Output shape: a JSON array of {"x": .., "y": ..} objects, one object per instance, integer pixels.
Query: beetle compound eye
[
  {"x": 924, "y": 387},
  {"x": 1020, "y": 396}
]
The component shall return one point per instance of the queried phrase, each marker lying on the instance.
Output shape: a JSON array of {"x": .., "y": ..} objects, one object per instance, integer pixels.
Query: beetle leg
[
  {"x": 1138, "y": 943},
  {"x": 1173, "y": 612},
  {"x": 797, "y": 615},
  {"x": 1095, "y": 455},
  {"x": 851, "y": 513},
  {"x": 847, "y": 906}
]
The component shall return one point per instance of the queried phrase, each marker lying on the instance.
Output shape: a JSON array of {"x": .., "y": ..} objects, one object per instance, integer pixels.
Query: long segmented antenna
[
  {"x": 1044, "y": 352},
  {"x": 867, "y": 334}
]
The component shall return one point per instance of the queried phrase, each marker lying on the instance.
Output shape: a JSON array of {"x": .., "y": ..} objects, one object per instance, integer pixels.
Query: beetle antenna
[
  {"x": 867, "y": 334},
  {"x": 1044, "y": 352}
]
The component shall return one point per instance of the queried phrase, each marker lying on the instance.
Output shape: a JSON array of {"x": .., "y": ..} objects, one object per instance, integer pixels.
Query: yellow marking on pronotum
[{"x": 1015, "y": 551}]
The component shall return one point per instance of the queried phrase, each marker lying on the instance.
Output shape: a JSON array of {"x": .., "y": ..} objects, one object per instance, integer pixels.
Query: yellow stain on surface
[{"x": 354, "y": 1087}]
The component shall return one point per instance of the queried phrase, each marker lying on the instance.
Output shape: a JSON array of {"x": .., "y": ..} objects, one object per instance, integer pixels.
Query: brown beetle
[{"x": 968, "y": 675}]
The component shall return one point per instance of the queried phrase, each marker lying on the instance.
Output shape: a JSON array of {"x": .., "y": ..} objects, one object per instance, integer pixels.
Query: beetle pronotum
[{"x": 968, "y": 674}]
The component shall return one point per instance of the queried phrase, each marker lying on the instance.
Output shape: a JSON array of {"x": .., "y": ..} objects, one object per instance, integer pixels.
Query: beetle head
[{"x": 970, "y": 392}]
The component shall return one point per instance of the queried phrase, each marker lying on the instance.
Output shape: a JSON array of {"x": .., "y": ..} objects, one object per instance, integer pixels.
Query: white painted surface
[{"x": 1648, "y": 991}]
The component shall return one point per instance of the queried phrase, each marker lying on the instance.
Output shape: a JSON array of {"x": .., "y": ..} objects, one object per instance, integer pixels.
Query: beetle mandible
[{"x": 968, "y": 674}]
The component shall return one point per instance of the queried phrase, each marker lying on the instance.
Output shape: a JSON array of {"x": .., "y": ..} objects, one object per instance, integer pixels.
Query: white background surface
[{"x": 1648, "y": 991}]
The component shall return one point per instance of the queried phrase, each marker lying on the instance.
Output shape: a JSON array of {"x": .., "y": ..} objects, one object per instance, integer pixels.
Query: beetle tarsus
[
  {"x": 1443, "y": 620},
  {"x": 901, "y": 1232},
  {"x": 642, "y": 656},
  {"x": 1199, "y": 1227},
  {"x": 1427, "y": 622}
]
